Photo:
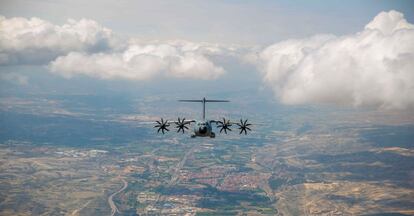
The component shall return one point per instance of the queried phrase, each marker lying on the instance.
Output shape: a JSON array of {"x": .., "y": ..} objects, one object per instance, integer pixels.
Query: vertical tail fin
[{"x": 204, "y": 101}]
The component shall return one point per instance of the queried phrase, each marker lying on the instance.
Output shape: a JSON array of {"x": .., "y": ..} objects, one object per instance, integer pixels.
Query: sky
[
  {"x": 345, "y": 53},
  {"x": 228, "y": 21}
]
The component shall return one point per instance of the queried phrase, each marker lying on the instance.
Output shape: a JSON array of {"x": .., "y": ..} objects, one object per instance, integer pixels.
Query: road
[
  {"x": 111, "y": 201},
  {"x": 176, "y": 171},
  {"x": 76, "y": 212},
  {"x": 180, "y": 165}
]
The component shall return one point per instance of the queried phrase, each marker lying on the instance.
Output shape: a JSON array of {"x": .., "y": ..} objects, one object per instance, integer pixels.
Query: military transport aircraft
[{"x": 204, "y": 127}]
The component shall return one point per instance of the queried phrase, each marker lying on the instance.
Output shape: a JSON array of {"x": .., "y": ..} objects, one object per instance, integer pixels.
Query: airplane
[{"x": 202, "y": 128}]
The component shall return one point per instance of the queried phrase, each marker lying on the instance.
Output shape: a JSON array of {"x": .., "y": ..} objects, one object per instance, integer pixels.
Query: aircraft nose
[{"x": 203, "y": 129}]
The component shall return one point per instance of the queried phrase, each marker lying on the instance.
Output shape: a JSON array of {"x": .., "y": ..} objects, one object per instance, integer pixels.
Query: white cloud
[
  {"x": 36, "y": 41},
  {"x": 374, "y": 67},
  {"x": 141, "y": 61},
  {"x": 106, "y": 66},
  {"x": 85, "y": 47}
]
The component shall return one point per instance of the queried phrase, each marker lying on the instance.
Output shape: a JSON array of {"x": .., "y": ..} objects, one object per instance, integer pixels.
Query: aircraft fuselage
[{"x": 203, "y": 129}]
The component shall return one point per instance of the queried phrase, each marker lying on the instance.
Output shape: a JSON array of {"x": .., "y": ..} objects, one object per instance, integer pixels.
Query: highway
[
  {"x": 180, "y": 165},
  {"x": 176, "y": 170},
  {"x": 76, "y": 212},
  {"x": 110, "y": 198}
]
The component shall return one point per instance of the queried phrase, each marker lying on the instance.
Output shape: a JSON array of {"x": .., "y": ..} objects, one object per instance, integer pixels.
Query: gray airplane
[{"x": 204, "y": 127}]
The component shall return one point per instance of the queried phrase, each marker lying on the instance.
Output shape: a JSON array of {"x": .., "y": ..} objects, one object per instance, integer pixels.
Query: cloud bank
[
  {"x": 145, "y": 61},
  {"x": 86, "y": 48},
  {"x": 372, "y": 68},
  {"x": 36, "y": 41}
]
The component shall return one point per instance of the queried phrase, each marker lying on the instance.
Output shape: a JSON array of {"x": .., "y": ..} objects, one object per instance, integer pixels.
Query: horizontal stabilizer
[
  {"x": 200, "y": 101},
  {"x": 190, "y": 100},
  {"x": 204, "y": 101},
  {"x": 217, "y": 101}
]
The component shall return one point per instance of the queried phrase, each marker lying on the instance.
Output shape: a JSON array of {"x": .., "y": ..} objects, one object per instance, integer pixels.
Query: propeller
[
  {"x": 224, "y": 125},
  {"x": 180, "y": 124},
  {"x": 243, "y": 126},
  {"x": 161, "y": 125}
]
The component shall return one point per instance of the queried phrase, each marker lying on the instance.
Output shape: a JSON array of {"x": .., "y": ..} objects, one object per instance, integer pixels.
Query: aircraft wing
[
  {"x": 225, "y": 125},
  {"x": 165, "y": 120},
  {"x": 163, "y": 125},
  {"x": 189, "y": 121}
]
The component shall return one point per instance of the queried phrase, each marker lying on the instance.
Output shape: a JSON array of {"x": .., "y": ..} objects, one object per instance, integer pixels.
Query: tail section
[{"x": 204, "y": 101}]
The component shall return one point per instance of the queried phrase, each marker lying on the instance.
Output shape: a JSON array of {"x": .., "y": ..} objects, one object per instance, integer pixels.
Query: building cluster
[
  {"x": 81, "y": 153},
  {"x": 153, "y": 204},
  {"x": 133, "y": 169},
  {"x": 243, "y": 181},
  {"x": 206, "y": 174}
]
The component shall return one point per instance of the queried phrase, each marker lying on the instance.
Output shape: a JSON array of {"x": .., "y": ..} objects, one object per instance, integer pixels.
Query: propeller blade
[
  {"x": 243, "y": 126},
  {"x": 224, "y": 125},
  {"x": 180, "y": 124}
]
